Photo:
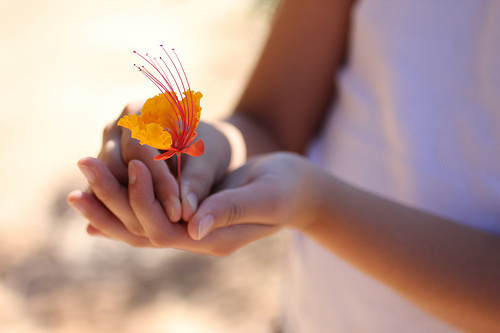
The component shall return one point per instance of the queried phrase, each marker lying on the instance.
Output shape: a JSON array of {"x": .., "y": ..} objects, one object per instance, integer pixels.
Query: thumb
[
  {"x": 200, "y": 174},
  {"x": 197, "y": 180},
  {"x": 254, "y": 203}
]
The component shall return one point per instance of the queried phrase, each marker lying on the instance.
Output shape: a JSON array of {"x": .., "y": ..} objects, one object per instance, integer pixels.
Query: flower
[{"x": 167, "y": 122}]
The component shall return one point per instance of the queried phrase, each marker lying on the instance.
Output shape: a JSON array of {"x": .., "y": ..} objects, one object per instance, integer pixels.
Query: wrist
[
  {"x": 318, "y": 199},
  {"x": 237, "y": 145}
]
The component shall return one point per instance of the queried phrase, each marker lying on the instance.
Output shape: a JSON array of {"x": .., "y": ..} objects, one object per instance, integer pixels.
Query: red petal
[
  {"x": 165, "y": 155},
  {"x": 196, "y": 149}
]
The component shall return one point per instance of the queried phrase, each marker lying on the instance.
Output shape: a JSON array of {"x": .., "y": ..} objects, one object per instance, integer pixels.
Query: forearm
[
  {"x": 446, "y": 268},
  {"x": 293, "y": 82},
  {"x": 257, "y": 137}
]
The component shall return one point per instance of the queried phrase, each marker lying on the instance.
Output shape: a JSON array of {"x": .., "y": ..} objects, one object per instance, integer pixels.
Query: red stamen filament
[
  {"x": 179, "y": 172},
  {"x": 187, "y": 81},
  {"x": 184, "y": 119}
]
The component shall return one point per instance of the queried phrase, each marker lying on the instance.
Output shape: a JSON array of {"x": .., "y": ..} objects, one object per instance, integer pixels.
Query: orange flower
[{"x": 167, "y": 122}]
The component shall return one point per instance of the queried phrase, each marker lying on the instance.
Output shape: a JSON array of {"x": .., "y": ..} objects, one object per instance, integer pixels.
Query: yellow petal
[
  {"x": 160, "y": 110},
  {"x": 192, "y": 98},
  {"x": 130, "y": 121},
  {"x": 153, "y": 135}
]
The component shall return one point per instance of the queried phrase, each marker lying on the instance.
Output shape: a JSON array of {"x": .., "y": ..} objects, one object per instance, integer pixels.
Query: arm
[
  {"x": 281, "y": 108},
  {"x": 293, "y": 82},
  {"x": 448, "y": 269},
  {"x": 289, "y": 91}
]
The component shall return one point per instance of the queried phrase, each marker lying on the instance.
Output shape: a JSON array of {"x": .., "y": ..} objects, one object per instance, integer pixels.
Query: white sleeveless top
[{"x": 417, "y": 121}]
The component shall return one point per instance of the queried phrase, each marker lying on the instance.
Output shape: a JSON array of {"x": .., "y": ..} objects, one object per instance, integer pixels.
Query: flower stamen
[{"x": 170, "y": 124}]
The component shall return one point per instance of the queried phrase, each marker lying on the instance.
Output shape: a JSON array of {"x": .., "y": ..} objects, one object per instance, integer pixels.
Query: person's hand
[
  {"x": 120, "y": 207},
  {"x": 269, "y": 192},
  {"x": 118, "y": 149}
]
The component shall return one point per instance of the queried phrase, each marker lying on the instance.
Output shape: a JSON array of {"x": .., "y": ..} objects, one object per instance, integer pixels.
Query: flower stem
[{"x": 179, "y": 172}]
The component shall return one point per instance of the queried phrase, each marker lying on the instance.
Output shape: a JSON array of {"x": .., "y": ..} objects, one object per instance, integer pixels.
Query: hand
[
  {"x": 269, "y": 192},
  {"x": 119, "y": 149},
  {"x": 120, "y": 207}
]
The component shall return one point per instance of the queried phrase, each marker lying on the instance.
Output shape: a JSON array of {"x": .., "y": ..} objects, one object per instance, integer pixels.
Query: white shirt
[{"x": 417, "y": 121}]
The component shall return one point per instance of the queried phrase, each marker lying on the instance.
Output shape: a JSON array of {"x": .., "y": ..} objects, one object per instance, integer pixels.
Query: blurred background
[{"x": 66, "y": 70}]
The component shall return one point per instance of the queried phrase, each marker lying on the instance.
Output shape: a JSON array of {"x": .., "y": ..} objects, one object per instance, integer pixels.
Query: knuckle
[
  {"x": 222, "y": 251},
  {"x": 139, "y": 242},
  {"x": 108, "y": 131},
  {"x": 160, "y": 240},
  {"x": 135, "y": 230},
  {"x": 110, "y": 154},
  {"x": 236, "y": 211},
  {"x": 104, "y": 196}
]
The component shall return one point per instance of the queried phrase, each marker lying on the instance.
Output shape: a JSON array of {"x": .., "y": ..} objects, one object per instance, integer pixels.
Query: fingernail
[
  {"x": 173, "y": 209},
  {"x": 205, "y": 225},
  {"x": 87, "y": 172},
  {"x": 132, "y": 174},
  {"x": 78, "y": 207},
  {"x": 192, "y": 201}
]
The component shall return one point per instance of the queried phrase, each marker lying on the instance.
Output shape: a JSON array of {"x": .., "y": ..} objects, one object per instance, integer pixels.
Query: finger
[
  {"x": 150, "y": 212},
  {"x": 110, "y": 154},
  {"x": 162, "y": 233},
  {"x": 197, "y": 179},
  {"x": 102, "y": 221},
  {"x": 165, "y": 184},
  {"x": 222, "y": 242},
  {"x": 111, "y": 148},
  {"x": 199, "y": 174},
  {"x": 255, "y": 203},
  {"x": 110, "y": 192}
]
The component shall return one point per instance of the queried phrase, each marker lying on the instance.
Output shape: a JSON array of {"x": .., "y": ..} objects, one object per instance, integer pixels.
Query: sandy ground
[{"x": 66, "y": 70}]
